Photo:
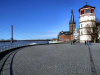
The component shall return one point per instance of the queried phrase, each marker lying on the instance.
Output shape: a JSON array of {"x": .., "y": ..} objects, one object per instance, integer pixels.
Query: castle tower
[
  {"x": 72, "y": 23},
  {"x": 87, "y": 21}
]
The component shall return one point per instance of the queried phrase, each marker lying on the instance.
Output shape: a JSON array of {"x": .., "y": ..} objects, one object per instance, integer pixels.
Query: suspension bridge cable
[
  {"x": 5, "y": 29},
  {"x": 27, "y": 33},
  {"x": 5, "y": 36},
  {"x": 23, "y": 34},
  {"x": 20, "y": 36},
  {"x": 4, "y": 33}
]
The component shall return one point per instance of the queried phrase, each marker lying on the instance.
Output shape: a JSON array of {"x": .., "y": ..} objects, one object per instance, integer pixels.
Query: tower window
[
  {"x": 81, "y": 25},
  {"x": 88, "y": 11},
  {"x": 81, "y": 12},
  {"x": 92, "y": 10},
  {"x": 81, "y": 33},
  {"x": 85, "y": 11}
]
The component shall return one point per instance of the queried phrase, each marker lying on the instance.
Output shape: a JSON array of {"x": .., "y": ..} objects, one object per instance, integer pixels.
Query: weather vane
[{"x": 86, "y": 3}]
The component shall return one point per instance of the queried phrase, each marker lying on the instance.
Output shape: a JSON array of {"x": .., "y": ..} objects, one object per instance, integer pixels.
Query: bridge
[
  {"x": 52, "y": 59},
  {"x": 15, "y": 32}
]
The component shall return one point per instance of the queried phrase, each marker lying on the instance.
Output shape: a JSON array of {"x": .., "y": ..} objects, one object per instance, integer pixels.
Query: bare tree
[
  {"x": 92, "y": 31},
  {"x": 97, "y": 20}
]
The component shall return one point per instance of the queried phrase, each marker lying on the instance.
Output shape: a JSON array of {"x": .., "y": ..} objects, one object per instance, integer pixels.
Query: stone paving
[
  {"x": 95, "y": 50},
  {"x": 53, "y": 59}
]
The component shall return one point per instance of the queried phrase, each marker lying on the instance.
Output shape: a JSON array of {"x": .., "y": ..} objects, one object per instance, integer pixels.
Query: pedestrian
[
  {"x": 74, "y": 42},
  {"x": 85, "y": 42},
  {"x": 71, "y": 42}
]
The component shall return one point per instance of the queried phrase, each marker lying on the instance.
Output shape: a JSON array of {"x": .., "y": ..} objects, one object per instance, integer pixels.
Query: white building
[
  {"x": 87, "y": 21},
  {"x": 76, "y": 34}
]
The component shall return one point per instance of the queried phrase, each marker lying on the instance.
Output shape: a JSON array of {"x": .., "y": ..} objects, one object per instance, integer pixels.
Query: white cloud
[{"x": 99, "y": 10}]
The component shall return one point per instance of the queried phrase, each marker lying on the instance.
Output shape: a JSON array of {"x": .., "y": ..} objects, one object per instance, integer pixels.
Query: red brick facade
[{"x": 64, "y": 37}]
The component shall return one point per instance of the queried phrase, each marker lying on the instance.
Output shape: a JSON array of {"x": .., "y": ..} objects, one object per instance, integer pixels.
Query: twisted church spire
[{"x": 72, "y": 16}]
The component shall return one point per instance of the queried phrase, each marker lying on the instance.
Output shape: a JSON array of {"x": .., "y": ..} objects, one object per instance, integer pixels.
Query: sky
[{"x": 39, "y": 19}]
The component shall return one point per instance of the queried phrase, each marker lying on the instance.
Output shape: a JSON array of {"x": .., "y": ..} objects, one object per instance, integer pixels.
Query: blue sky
[{"x": 39, "y": 19}]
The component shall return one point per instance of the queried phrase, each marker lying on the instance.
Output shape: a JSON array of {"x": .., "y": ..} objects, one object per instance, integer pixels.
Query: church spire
[{"x": 72, "y": 16}]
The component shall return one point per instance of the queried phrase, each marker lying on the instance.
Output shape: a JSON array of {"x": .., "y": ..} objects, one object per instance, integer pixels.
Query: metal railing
[{"x": 7, "y": 47}]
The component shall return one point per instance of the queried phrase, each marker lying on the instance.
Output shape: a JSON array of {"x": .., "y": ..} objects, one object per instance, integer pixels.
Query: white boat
[{"x": 32, "y": 43}]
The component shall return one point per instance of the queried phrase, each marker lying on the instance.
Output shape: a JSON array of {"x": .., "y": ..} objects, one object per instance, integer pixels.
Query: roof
[
  {"x": 86, "y": 6},
  {"x": 65, "y": 33},
  {"x": 72, "y": 17}
]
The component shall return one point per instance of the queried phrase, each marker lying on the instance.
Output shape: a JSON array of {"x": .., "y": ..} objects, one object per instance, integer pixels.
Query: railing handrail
[{"x": 7, "y": 47}]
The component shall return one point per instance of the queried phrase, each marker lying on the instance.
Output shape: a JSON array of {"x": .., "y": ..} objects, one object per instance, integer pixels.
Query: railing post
[
  {"x": 4, "y": 47},
  {"x": 1, "y": 49}
]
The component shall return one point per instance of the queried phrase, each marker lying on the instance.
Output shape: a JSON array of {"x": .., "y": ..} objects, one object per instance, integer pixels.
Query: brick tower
[{"x": 72, "y": 23}]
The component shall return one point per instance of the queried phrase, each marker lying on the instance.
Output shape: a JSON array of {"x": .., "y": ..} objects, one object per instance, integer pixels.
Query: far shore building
[{"x": 66, "y": 35}]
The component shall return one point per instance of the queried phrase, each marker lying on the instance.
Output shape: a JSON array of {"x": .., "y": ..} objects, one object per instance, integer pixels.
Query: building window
[
  {"x": 85, "y": 11},
  {"x": 88, "y": 11},
  {"x": 81, "y": 12},
  {"x": 81, "y": 25},
  {"x": 81, "y": 33},
  {"x": 92, "y": 10}
]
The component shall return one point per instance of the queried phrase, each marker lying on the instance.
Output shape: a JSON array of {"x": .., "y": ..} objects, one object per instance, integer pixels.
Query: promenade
[{"x": 53, "y": 59}]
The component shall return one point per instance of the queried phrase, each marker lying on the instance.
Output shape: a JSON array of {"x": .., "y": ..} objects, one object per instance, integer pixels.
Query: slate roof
[
  {"x": 72, "y": 18},
  {"x": 65, "y": 33}
]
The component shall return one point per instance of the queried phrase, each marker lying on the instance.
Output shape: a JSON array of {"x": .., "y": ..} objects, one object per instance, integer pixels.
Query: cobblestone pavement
[
  {"x": 95, "y": 50},
  {"x": 53, "y": 59}
]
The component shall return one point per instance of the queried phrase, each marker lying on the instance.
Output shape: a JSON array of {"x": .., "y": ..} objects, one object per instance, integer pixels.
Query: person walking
[
  {"x": 71, "y": 42},
  {"x": 85, "y": 42}
]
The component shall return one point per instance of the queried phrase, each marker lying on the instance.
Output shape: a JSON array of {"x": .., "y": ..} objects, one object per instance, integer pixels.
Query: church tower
[
  {"x": 72, "y": 23},
  {"x": 87, "y": 21}
]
